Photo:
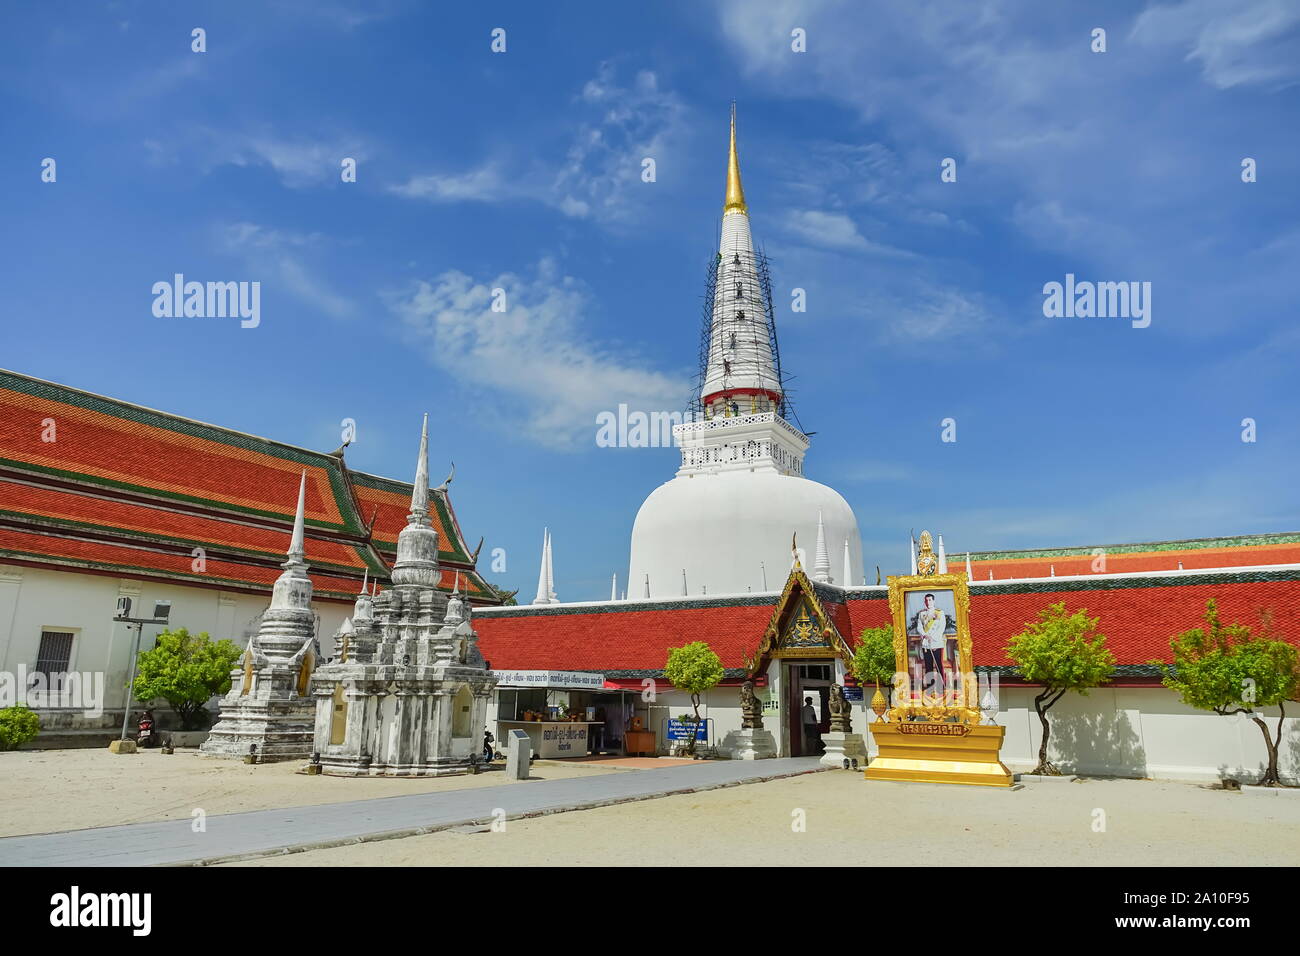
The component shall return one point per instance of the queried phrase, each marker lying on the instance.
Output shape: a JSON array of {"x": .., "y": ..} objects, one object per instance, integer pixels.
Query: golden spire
[{"x": 735, "y": 193}]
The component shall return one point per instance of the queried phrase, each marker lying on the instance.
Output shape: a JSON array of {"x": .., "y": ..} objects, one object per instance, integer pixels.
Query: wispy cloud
[
  {"x": 835, "y": 230},
  {"x": 1237, "y": 42},
  {"x": 299, "y": 161},
  {"x": 284, "y": 254},
  {"x": 599, "y": 174},
  {"x": 534, "y": 363}
]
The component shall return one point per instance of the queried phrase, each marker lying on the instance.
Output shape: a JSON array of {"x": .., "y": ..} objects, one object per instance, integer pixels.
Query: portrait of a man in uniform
[{"x": 932, "y": 641}]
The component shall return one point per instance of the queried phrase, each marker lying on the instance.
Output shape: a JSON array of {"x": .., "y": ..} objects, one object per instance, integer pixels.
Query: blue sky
[{"x": 521, "y": 170}]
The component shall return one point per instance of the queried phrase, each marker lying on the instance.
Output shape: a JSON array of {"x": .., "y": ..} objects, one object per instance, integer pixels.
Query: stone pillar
[
  {"x": 750, "y": 744},
  {"x": 843, "y": 750}
]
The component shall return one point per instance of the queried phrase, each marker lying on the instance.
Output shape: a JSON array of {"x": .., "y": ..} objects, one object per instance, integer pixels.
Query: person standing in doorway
[{"x": 811, "y": 730}]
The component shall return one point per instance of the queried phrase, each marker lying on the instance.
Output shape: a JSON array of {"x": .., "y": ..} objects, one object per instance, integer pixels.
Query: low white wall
[
  {"x": 1114, "y": 732},
  {"x": 33, "y": 600},
  {"x": 1142, "y": 732}
]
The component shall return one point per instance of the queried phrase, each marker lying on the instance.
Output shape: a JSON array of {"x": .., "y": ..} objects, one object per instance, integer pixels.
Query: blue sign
[
  {"x": 853, "y": 694},
  {"x": 677, "y": 730}
]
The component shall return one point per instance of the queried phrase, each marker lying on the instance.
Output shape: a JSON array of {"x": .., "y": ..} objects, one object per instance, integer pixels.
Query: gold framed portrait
[{"x": 934, "y": 677}]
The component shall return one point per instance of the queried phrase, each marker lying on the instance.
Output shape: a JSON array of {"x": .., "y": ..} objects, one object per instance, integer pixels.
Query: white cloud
[
  {"x": 599, "y": 176},
  {"x": 835, "y": 230},
  {"x": 1237, "y": 42},
  {"x": 282, "y": 254},
  {"x": 534, "y": 362},
  {"x": 484, "y": 184},
  {"x": 299, "y": 162}
]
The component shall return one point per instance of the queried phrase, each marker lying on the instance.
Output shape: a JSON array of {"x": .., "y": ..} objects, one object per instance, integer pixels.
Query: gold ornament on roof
[{"x": 926, "y": 562}]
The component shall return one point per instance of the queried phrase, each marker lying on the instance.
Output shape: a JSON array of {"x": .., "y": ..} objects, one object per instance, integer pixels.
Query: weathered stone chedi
[
  {"x": 408, "y": 692},
  {"x": 269, "y": 710}
]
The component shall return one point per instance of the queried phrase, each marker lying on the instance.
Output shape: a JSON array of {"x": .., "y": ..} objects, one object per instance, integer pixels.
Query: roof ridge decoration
[{"x": 1141, "y": 547}]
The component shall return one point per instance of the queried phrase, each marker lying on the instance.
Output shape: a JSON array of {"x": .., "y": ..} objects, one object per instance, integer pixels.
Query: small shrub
[{"x": 17, "y": 726}]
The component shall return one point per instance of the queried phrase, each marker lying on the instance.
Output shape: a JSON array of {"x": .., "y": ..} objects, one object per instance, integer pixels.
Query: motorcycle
[{"x": 146, "y": 735}]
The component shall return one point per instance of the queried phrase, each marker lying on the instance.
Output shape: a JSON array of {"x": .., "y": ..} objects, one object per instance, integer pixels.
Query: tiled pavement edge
[{"x": 241, "y": 836}]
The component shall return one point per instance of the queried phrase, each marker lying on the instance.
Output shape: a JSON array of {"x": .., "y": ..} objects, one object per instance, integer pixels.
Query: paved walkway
[{"x": 261, "y": 832}]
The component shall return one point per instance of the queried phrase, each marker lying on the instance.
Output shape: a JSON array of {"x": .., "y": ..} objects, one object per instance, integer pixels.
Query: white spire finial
[
  {"x": 613, "y": 587},
  {"x": 550, "y": 573},
  {"x": 543, "y": 595},
  {"x": 365, "y": 581},
  {"x": 420, "y": 493},
  {"x": 683, "y": 582},
  {"x": 911, "y": 549},
  {"x": 821, "y": 558},
  {"x": 292, "y": 590},
  {"x": 296, "y": 552},
  {"x": 943, "y": 558},
  {"x": 647, "y": 584},
  {"x": 968, "y": 570},
  {"x": 848, "y": 576}
]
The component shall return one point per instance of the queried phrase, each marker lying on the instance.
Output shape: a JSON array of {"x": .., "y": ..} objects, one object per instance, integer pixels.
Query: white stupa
[{"x": 725, "y": 524}]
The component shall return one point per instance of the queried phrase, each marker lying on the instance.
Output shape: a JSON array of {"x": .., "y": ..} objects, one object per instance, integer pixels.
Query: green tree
[
  {"x": 1060, "y": 652},
  {"x": 873, "y": 662},
  {"x": 1231, "y": 669},
  {"x": 185, "y": 670},
  {"x": 17, "y": 726},
  {"x": 695, "y": 669}
]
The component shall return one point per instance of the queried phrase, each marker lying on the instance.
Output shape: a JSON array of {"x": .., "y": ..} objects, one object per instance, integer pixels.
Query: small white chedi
[
  {"x": 408, "y": 692},
  {"x": 269, "y": 711},
  {"x": 721, "y": 525}
]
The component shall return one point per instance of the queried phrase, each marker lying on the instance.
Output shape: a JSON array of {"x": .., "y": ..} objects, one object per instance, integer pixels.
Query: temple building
[
  {"x": 101, "y": 499},
  {"x": 796, "y": 642},
  {"x": 740, "y": 550},
  {"x": 724, "y": 524}
]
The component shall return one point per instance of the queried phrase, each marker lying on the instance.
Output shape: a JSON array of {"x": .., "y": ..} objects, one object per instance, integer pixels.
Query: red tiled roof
[
  {"x": 98, "y": 556},
  {"x": 612, "y": 639},
  {"x": 92, "y": 482},
  {"x": 1137, "y": 614}
]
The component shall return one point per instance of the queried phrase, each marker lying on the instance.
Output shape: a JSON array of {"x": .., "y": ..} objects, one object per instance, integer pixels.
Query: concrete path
[{"x": 261, "y": 832}]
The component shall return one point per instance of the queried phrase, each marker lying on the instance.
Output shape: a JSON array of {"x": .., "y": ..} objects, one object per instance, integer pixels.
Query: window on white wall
[{"x": 55, "y": 654}]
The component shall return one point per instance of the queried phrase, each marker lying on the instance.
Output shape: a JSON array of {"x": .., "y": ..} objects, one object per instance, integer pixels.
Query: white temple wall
[
  {"x": 1139, "y": 732},
  {"x": 1119, "y": 731},
  {"x": 33, "y": 600}
]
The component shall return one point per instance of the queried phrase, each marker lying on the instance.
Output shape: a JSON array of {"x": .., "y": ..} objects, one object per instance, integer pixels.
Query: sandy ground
[
  {"x": 852, "y": 822},
  {"x": 42, "y": 791}
]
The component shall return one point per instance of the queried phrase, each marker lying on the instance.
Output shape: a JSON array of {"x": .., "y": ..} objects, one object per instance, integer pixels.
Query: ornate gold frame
[{"x": 908, "y": 704}]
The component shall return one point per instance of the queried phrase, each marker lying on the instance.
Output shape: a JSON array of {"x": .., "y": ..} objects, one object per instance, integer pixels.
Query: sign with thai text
[
  {"x": 677, "y": 730},
  {"x": 577, "y": 680},
  {"x": 933, "y": 729}
]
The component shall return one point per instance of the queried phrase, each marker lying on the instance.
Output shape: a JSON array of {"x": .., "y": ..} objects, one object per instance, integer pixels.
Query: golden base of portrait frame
[{"x": 919, "y": 752}]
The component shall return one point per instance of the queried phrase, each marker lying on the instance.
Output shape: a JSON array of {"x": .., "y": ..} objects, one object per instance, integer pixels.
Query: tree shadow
[{"x": 1090, "y": 742}]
